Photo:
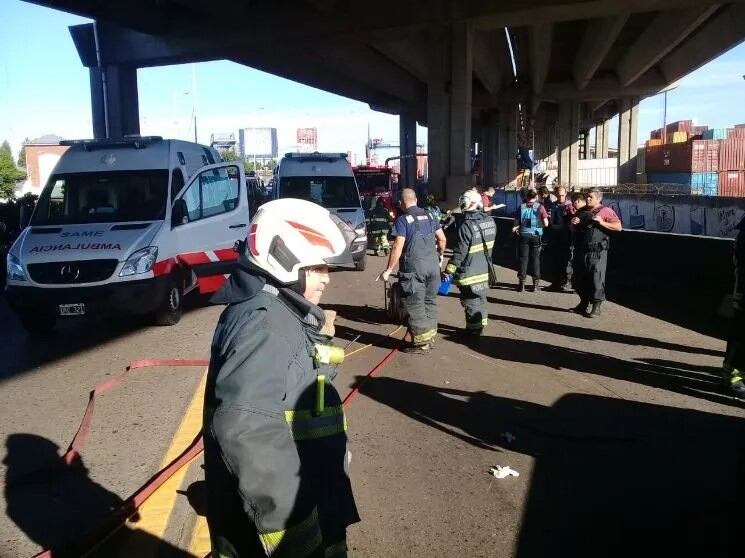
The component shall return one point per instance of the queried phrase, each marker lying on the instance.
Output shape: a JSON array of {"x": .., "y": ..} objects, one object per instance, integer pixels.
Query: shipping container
[
  {"x": 678, "y": 137},
  {"x": 656, "y": 134},
  {"x": 736, "y": 133},
  {"x": 705, "y": 183},
  {"x": 653, "y": 142},
  {"x": 732, "y": 184},
  {"x": 672, "y": 157},
  {"x": 739, "y": 125},
  {"x": 705, "y": 155},
  {"x": 679, "y": 126},
  {"x": 696, "y": 130},
  {"x": 732, "y": 154},
  {"x": 715, "y": 134},
  {"x": 669, "y": 177}
]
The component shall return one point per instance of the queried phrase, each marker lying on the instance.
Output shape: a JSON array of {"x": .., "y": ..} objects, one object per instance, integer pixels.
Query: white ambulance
[{"x": 127, "y": 226}]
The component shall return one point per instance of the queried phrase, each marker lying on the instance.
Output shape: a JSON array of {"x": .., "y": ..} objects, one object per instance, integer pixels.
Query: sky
[{"x": 44, "y": 90}]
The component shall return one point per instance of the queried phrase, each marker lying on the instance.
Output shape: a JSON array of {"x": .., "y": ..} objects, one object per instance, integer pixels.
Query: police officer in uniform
[
  {"x": 274, "y": 428},
  {"x": 471, "y": 260},
  {"x": 419, "y": 244},
  {"x": 592, "y": 241},
  {"x": 734, "y": 359}
]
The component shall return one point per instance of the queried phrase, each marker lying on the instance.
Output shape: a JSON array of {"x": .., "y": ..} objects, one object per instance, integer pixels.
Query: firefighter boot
[
  {"x": 595, "y": 312},
  {"x": 581, "y": 308},
  {"x": 737, "y": 383},
  {"x": 521, "y": 286}
]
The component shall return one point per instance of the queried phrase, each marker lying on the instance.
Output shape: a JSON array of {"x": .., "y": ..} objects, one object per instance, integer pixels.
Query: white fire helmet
[
  {"x": 470, "y": 201},
  {"x": 289, "y": 234}
]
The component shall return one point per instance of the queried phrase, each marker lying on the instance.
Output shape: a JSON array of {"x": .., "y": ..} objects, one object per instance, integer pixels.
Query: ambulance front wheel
[
  {"x": 361, "y": 265},
  {"x": 38, "y": 323},
  {"x": 172, "y": 306}
]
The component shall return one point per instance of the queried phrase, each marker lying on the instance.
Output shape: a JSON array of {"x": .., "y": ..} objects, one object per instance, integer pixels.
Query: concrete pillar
[
  {"x": 628, "y": 125},
  {"x": 568, "y": 142},
  {"x": 461, "y": 84},
  {"x": 407, "y": 149},
  {"x": 507, "y": 145},
  {"x": 115, "y": 107},
  {"x": 489, "y": 141},
  {"x": 438, "y": 113},
  {"x": 602, "y": 130}
]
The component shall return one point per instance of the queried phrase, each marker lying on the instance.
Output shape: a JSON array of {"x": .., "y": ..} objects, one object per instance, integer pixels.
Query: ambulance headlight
[
  {"x": 141, "y": 261},
  {"x": 15, "y": 269}
]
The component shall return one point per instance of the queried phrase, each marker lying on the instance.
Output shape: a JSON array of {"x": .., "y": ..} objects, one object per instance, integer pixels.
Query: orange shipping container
[
  {"x": 732, "y": 154},
  {"x": 653, "y": 142},
  {"x": 732, "y": 184},
  {"x": 679, "y": 137}
]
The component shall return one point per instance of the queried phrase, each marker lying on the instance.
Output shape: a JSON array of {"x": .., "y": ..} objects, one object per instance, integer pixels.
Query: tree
[
  {"x": 229, "y": 154},
  {"x": 22, "y": 155},
  {"x": 9, "y": 173}
]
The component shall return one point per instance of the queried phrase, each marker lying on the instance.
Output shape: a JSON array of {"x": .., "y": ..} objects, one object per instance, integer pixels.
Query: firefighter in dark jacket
[
  {"x": 734, "y": 359},
  {"x": 471, "y": 260},
  {"x": 274, "y": 427},
  {"x": 379, "y": 226}
]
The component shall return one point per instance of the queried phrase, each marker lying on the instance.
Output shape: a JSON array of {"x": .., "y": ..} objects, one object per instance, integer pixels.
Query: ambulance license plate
[{"x": 72, "y": 309}]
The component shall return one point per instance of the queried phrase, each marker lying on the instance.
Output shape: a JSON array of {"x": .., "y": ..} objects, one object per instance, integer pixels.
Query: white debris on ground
[{"x": 503, "y": 472}]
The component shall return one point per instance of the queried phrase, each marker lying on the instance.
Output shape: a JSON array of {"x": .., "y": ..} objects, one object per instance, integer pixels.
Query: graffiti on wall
[
  {"x": 697, "y": 215},
  {"x": 664, "y": 215}
]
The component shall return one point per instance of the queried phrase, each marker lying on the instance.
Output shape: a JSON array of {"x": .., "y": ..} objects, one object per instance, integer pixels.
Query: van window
[
  {"x": 216, "y": 191},
  {"x": 330, "y": 192},
  {"x": 177, "y": 183},
  {"x": 96, "y": 197}
]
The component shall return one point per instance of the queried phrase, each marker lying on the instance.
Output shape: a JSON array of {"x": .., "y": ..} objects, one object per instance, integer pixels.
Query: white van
[
  {"x": 127, "y": 226},
  {"x": 326, "y": 179}
]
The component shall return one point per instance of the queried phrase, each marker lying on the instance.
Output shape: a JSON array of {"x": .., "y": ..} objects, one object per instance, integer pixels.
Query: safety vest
[
  {"x": 530, "y": 221},
  {"x": 590, "y": 237}
]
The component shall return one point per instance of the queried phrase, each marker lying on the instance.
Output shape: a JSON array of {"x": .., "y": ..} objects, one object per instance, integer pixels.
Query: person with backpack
[
  {"x": 592, "y": 241},
  {"x": 530, "y": 221},
  {"x": 472, "y": 259}
]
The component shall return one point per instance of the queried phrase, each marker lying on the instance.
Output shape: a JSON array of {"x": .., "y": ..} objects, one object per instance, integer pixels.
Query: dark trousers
[
  {"x": 473, "y": 300},
  {"x": 529, "y": 250},
  {"x": 419, "y": 300},
  {"x": 734, "y": 358},
  {"x": 560, "y": 250},
  {"x": 589, "y": 274}
]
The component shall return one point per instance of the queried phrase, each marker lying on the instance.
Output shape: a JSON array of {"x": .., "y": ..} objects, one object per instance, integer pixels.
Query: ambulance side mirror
[
  {"x": 179, "y": 213},
  {"x": 24, "y": 215}
]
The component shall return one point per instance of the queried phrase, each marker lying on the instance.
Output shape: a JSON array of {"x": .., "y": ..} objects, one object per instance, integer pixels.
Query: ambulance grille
[{"x": 67, "y": 273}]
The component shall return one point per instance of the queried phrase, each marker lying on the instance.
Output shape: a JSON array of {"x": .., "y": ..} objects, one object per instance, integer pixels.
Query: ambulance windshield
[{"x": 103, "y": 197}]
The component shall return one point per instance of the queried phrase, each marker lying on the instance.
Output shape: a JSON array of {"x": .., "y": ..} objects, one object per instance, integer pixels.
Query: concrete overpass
[{"x": 443, "y": 63}]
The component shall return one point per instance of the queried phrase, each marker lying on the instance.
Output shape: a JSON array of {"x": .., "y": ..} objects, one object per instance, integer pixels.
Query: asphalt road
[{"x": 624, "y": 441}]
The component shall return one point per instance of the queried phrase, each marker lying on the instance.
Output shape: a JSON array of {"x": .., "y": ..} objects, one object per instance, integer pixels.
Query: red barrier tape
[{"x": 132, "y": 504}]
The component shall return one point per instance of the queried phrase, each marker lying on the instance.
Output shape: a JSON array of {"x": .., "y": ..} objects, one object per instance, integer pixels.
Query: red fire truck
[{"x": 376, "y": 182}]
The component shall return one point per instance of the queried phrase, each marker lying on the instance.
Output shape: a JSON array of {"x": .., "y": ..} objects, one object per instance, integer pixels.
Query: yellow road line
[
  {"x": 155, "y": 512},
  {"x": 200, "y": 544}
]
